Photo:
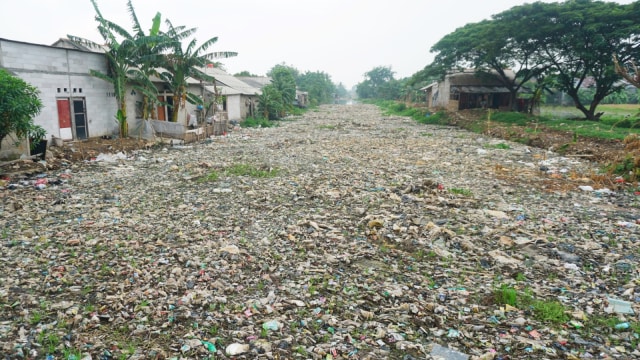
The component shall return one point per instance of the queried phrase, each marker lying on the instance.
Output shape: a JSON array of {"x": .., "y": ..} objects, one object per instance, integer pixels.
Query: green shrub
[
  {"x": 257, "y": 122},
  {"x": 506, "y": 295},
  {"x": 550, "y": 311},
  {"x": 515, "y": 118},
  {"x": 251, "y": 171},
  {"x": 439, "y": 118},
  {"x": 397, "y": 107}
]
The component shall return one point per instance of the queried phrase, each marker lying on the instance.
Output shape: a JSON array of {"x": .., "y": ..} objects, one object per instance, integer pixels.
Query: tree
[
  {"x": 183, "y": 63},
  {"x": 341, "y": 91},
  {"x": 245, "y": 73},
  {"x": 123, "y": 57},
  {"x": 319, "y": 86},
  {"x": 19, "y": 103},
  {"x": 283, "y": 80},
  {"x": 148, "y": 57},
  {"x": 270, "y": 104},
  {"x": 577, "y": 39},
  {"x": 379, "y": 83},
  {"x": 628, "y": 71},
  {"x": 490, "y": 47}
]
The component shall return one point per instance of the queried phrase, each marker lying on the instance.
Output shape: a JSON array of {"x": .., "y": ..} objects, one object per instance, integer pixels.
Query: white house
[
  {"x": 241, "y": 98},
  {"x": 76, "y": 105}
]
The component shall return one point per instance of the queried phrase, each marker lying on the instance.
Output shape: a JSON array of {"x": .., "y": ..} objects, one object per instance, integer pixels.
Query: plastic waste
[
  {"x": 620, "y": 306},
  {"x": 623, "y": 326},
  {"x": 441, "y": 352},
  {"x": 236, "y": 349},
  {"x": 271, "y": 325}
]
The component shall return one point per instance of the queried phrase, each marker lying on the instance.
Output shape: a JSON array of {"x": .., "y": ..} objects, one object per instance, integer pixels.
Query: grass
[
  {"x": 422, "y": 116},
  {"x": 461, "y": 191},
  {"x": 617, "y": 122},
  {"x": 36, "y": 317},
  {"x": 239, "y": 170},
  {"x": 506, "y": 295},
  {"x": 501, "y": 146},
  {"x": 252, "y": 122},
  {"x": 550, "y": 311},
  {"x": 210, "y": 177},
  {"x": 251, "y": 171},
  {"x": 49, "y": 341},
  {"x": 547, "y": 311}
]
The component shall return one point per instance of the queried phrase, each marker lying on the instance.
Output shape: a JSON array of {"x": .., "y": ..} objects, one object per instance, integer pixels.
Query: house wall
[
  {"x": 441, "y": 92},
  {"x": 235, "y": 105},
  {"x": 246, "y": 103},
  {"x": 52, "y": 70}
]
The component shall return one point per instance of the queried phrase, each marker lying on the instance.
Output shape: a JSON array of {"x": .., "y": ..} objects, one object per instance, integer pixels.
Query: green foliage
[
  {"x": 505, "y": 295},
  {"x": 183, "y": 62},
  {"x": 422, "y": 116},
  {"x": 120, "y": 60},
  {"x": 501, "y": 146},
  {"x": 629, "y": 166},
  {"x": 210, "y": 177},
  {"x": 515, "y": 118},
  {"x": 270, "y": 104},
  {"x": 565, "y": 45},
  {"x": 550, "y": 311},
  {"x": 133, "y": 58},
  {"x": 439, "y": 118},
  {"x": 252, "y": 122},
  {"x": 379, "y": 83},
  {"x": 547, "y": 311},
  {"x": 251, "y": 171},
  {"x": 19, "y": 103},
  {"x": 579, "y": 48},
  {"x": 460, "y": 191},
  {"x": 319, "y": 86},
  {"x": 283, "y": 79},
  {"x": 245, "y": 73},
  {"x": 341, "y": 91}
]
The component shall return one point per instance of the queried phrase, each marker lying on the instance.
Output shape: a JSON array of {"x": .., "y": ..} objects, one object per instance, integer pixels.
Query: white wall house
[
  {"x": 241, "y": 98},
  {"x": 76, "y": 105}
]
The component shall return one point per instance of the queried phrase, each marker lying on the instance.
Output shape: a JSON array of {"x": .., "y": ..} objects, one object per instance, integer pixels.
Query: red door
[
  {"x": 64, "y": 113},
  {"x": 161, "y": 114}
]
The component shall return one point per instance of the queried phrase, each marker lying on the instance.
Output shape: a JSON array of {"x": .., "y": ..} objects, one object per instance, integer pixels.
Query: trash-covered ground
[{"x": 340, "y": 234}]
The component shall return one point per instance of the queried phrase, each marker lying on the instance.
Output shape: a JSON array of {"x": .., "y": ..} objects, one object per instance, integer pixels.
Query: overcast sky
[{"x": 343, "y": 38}]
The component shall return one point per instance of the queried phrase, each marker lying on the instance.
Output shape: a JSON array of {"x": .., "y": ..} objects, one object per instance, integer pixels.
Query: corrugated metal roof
[
  {"x": 257, "y": 82},
  {"x": 480, "y": 89},
  {"x": 230, "y": 84},
  {"x": 429, "y": 86},
  {"x": 223, "y": 90}
]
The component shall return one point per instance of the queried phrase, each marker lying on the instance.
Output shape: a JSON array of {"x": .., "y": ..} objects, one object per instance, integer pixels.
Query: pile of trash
[{"x": 343, "y": 233}]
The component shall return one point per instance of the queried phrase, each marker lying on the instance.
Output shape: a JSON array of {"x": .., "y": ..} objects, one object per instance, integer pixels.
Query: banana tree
[
  {"x": 149, "y": 57},
  {"x": 129, "y": 58},
  {"x": 183, "y": 63}
]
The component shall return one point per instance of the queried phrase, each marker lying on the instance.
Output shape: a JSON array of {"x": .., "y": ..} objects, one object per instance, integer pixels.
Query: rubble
[{"x": 343, "y": 233}]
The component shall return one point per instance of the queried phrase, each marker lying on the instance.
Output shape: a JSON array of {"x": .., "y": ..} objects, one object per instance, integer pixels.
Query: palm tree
[{"x": 180, "y": 64}]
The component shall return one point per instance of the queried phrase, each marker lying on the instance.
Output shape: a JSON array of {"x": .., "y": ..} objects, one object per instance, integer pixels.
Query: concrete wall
[
  {"x": 235, "y": 104},
  {"x": 56, "y": 72}
]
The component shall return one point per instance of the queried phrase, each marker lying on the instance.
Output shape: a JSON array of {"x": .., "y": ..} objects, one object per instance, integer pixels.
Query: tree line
[
  {"x": 278, "y": 98},
  {"x": 551, "y": 47}
]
